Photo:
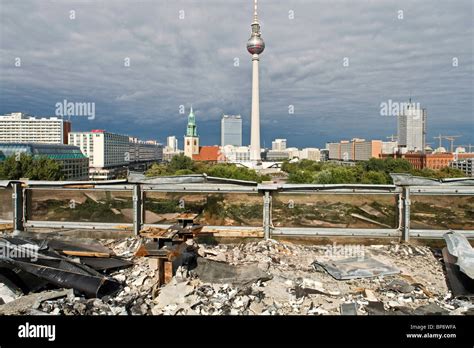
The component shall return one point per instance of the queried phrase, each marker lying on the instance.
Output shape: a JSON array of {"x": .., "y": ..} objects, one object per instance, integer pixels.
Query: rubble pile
[{"x": 270, "y": 277}]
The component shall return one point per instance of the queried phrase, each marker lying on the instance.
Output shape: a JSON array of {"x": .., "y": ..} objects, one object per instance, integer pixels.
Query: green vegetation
[
  {"x": 89, "y": 210},
  {"x": 182, "y": 165},
  {"x": 26, "y": 166},
  {"x": 373, "y": 171}
]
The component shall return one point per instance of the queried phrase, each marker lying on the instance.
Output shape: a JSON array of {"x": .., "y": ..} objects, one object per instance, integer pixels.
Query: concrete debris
[
  {"x": 33, "y": 301},
  {"x": 217, "y": 272},
  {"x": 6, "y": 294},
  {"x": 370, "y": 296},
  {"x": 349, "y": 308},
  {"x": 355, "y": 267},
  {"x": 265, "y": 277},
  {"x": 399, "y": 286}
]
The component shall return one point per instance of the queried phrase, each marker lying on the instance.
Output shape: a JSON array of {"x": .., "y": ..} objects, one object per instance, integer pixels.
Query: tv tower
[{"x": 255, "y": 46}]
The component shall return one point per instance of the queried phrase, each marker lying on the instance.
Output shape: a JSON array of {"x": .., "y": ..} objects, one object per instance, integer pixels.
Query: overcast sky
[{"x": 191, "y": 61}]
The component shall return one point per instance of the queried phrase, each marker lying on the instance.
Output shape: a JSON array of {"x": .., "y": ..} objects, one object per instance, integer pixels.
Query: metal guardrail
[{"x": 138, "y": 190}]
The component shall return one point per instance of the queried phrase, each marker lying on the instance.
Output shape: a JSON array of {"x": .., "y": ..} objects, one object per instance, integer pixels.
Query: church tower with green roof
[{"x": 191, "y": 139}]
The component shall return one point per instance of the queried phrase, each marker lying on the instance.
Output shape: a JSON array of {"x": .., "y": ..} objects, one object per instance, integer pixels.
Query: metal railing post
[
  {"x": 17, "y": 197},
  {"x": 406, "y": 214},
  {"x": 266, "y": 214},
  {"x": 137, "y": 209}
]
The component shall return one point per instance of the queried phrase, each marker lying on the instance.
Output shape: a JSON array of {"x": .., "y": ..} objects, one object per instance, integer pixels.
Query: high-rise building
[
  {"x": 355, "y": 150},
  {"x": 111, "y": 154},
  {"x": 104, "y": 149},
  {"x": 365, "y": 150},
  {"x": 231, "y": 130},
  {"x": 279, "y": 144},
  {"x": 191, "y": 139},
  {"x": 412, "y": 127},
  {"x": 309, "y": 153},
  {"x": 141, "y": 151},
  {"x": 22, "y": 128},
  {"x": 255, "y": 46},
  {"x": 172, "y": 144},
  {"x": 334, "y": 150}
]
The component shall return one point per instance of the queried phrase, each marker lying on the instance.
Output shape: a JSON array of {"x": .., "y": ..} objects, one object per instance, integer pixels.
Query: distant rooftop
[
  {"x": 53, "y": 151},
  {"x": 23, "y": 116}
]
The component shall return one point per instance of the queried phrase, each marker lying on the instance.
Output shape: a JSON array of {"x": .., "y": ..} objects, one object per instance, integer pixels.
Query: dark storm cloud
[{"x": 191, "y": 61}]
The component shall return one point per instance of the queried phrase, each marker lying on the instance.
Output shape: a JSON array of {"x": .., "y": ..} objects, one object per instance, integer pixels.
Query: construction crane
[
  {"x": 440, "y": 137},
  {"x": 392, "y": 137},
  {"x": 451, "y": 138}
]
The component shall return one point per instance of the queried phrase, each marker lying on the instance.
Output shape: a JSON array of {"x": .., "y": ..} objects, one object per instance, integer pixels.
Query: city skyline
[{"x": 175, "y": 62}]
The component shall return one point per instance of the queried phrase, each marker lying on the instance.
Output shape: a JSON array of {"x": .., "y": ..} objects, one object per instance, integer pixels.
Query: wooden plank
[
  {"x": 256, "y": 233},
  {"x": 168, "y": 271},
  {"x": 187, "y": 216},
  {"x": 6, "y": 227},
  {"x": 85, "y": 253},
  {"x": 161, "y": 272}
]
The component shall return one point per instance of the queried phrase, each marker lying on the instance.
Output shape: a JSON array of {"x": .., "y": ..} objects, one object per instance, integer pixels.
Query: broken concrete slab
[
  {"x": 430, "y": 309},
  {"x": 399, "y": 286},
  {"x": 25, "y": 303},
  {"x": 217, "y": 272},
  {"x": 370, "y": 295},
  {"x": 375, "y": 308},
  {"x": 354, "y": 267},
  {"x": 6, "y": 294},
  {"x": 173, "y": 293}
]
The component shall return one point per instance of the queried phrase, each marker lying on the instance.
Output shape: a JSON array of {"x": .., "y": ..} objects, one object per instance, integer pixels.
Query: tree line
[
  {"x": 182, "y": 165},
  {"x": 33, "y": 168},
  {"x": 373, "y": 171}
]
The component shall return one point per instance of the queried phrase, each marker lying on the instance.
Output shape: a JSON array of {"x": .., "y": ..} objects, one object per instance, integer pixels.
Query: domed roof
[{"x": 255, "y": 45}]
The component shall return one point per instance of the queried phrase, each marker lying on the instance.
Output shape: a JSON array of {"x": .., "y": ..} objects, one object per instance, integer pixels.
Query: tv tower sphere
[{"x": 255, "y": 45}]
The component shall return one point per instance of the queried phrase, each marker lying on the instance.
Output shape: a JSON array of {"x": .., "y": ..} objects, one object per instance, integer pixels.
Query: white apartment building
[
  {"x": 310, "y": 153},
  {"x": 19, "y": 127},
  {"x": 104, "y": 149},
  {"x": 171, "y": 144},
  {"x": 279, "y": 144},
  {"x": 389, "y": 147},
  {"x": 110, "y": 154},
  {"x": 235, "y": 154}
]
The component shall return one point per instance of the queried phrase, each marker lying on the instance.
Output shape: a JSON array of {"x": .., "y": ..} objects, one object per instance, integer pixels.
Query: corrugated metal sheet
[
  {"x": 459, "y": 246},
  {"x": 410, "y": 180}
]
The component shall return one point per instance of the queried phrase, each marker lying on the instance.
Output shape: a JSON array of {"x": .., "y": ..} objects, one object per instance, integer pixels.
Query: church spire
[{"x": 191, "y": 130}]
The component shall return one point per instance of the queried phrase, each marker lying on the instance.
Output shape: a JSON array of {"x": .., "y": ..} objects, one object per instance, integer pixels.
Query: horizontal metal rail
[
  {"x": 334, "y": 232},
  {"x": 404, "y": 195},
  {"x": 79, "y": 225}
]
